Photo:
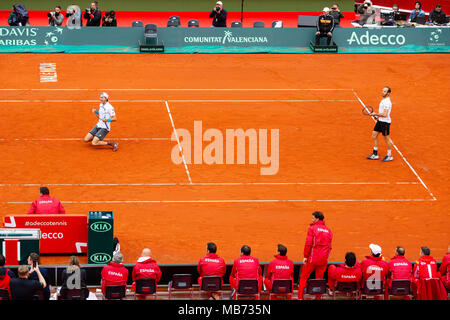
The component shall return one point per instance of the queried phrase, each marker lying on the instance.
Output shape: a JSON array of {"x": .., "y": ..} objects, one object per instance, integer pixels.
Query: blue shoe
[{"x": 116, "y": 145}]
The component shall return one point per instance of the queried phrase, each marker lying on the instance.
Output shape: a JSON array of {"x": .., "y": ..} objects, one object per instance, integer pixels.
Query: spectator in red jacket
[
  {"x": 427, "y": 284},
  {"x": 399, "y": 269},
  {"x": 145, "y": 268},
  {"x": 350, "y": 272},
  {"x": 4, "y": 275},
  {"x": 114, "y": 273},
  {"x": 211, "y": 265},
  {"x": 374, "y": 267},
  {"x": 444, "y": 269},
  {"x": 46, "y": 204},
  {"x": 279, "y": 268},
  {"x": 316, "y": 252},
  {"x": 245, "y": 267}
]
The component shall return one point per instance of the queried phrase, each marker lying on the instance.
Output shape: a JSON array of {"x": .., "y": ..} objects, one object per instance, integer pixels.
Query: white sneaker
[
  {"x": 373, "y": 156},
  {"x": 388, "y": 158}
]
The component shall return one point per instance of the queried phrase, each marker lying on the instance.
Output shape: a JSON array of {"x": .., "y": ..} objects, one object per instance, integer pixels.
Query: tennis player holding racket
[
  {"x": 382, "y": 126},
  {"x": 105, "y": 114}
]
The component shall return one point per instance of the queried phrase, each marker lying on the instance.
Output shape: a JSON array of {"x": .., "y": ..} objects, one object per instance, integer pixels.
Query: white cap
[
  {"x": 104, "y": 94},
  {"x": 326, "y": 9},
  {"x": 367, "y": 1},
  {"x": 219, "y": 2},
  {"x": 376, "y": 249}
]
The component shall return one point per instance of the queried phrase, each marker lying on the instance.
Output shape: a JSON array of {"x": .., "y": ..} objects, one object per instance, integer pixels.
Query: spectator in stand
[
  {"x": 19, "y": 16},
  {"x": 46, "y": 204},
  {"x": 336, "y": 14},
  {"x": 444, "y": 269},
  {"x": 74, "y": 277},
  {"x": 245, "y": 267},
  {"x": 325, "y": 26},
  {"x": 4, "y": 275},
  {"x": 437, "y": 16},
  {"x": 114, "y": 273},
  {"x": 427, "y": 284},
  {"x": 374, "y": 267},
  {"x": 350, "y": 272},
  {"x": 22, "y": 288},
  {"x": 367, "y": 13},
  {"x": 93, "y": 15},
  {"x": 55, "y": 18},
  {"x": 211, "y": 265},
  {"x": 399, "y": 269},
  {"x": 316, "y": 251},
  {"x": 417, "y": 12},
  {"x": 145, "y": 268},
  {"x": 2, "y": 266},
  {"x": 109, "y": 20},
  {"x": 34, "y": 260},
  {"x": 219, "y": 15},
  {"x": 279, "y": 268}
]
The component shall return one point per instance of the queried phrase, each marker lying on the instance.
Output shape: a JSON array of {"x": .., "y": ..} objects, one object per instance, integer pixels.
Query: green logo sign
[
  {"x": 100, "y": 257},
  {"x": 101, "y": 226}
]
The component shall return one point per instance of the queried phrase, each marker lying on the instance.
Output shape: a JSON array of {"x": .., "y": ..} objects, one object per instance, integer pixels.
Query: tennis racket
[{"x": 367, "y": 111}]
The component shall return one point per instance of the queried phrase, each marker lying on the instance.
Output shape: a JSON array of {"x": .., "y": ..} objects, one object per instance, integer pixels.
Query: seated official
[
  {"x": 325, "y": 26},
  {"x": 437, "y": 16},
  {"x": 417, "y": 12},
  {"x": 46, "y": 204}
]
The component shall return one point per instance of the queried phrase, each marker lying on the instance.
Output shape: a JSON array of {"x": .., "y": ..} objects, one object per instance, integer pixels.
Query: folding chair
[
  {"x": 146, "y": 287},
  {"x": 400, "y": 288},
  {"x": 236, "y": 24},
  {"x": 347, "y": 289},
  {"x": 212, "y": 284},
  {"x": 181, "y": 282},
  {"x": 72, "y": 294},
  {"x": 4, "y": 295},
  {"x": 151, "y": 33},
  {"x": 248, "y": 288},
  {"x": 277, "y": 24},
  {"x": 316, "y": 288},
  {"x": 372, "y": 288},
  {"x": 137, "y": 23},
  {"x": 39, "y": 295},
  {"x": 193, "y": 23},
  {"x": 174, "y": 21},
  {"x": 115, "y": 292},
  {"x": 281, "y": 288},
  {"x": 258, "y": 24}
]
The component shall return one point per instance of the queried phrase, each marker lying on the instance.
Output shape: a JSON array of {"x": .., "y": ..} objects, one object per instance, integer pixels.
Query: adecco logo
[
  {"x": 101, "y": 226},
  {"x": 374, "y": 39},
  {"x": 100, "y": 257},
  {"x": 54, "y": 235}
]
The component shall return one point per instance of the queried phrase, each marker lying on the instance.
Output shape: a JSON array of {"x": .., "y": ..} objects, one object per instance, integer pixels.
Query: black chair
[
  {"x": 258, "y": 24},
  {"x": 193, "y": 23},
  {"x": 72, "y": 294},
  {"x": 137, "y": 23},
  {"x": 181, "y": 282},
  {"x": 4, "y": 295},
  {"x": 212, "y": 284},
  {"x": 151, "y": 33},
  {"x": 39, "y": 295},
  {"x": 236, "y": 24},
  {"x": 247, "y": 288},
  {"x": 316, "y": 287},
  {"x": 281, "y": 288},
  {"x": 174, "y": 21},
  {"x": 115, "y": 292},
  {"x": 146, "y": 287},
  {"x": 277, "y": 24},
  {"x": 346, "y": 288},
  {"x": 400, "y": 288},
  {"x": 372, "y": 288}
]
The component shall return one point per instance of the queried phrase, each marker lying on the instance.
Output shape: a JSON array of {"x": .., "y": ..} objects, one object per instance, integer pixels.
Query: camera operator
[
  {"x": 93, "y": 15},
  {"x": 437, "y": 16},
  {"x": 109, "y": 20},
  {"x": 336, "y": 14},
  {"x": 366, "y": 12},
  {"x": 219, "y": 14},
  {"x": 55, "y": 18},
  {"x": 73, "y": 15}
]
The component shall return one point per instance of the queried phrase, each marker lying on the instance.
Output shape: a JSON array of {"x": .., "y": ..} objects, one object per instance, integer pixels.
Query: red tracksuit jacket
[
  {"x": 4, "y": 280},
  {"x": 400, "y": 268},
  {"x": 445, "y": 271},
  {"x": 211, "y": 265},
  {"x": 318, "y": 243},
  {"x": 246, "y": 267},
  {"x": 146, "y": 268},
  {"x": 343, "y": 273},
  {"x": 426, "y": 268},
  {"x": 46, "y": 205},
  {"x": 114, "y": 274},
  {"x": 374, "y": 267},
  {"x": 280, "y": 268}
]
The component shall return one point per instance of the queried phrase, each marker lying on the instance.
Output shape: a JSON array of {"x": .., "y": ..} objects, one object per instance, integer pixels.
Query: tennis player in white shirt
[
  {"x": 383, "y": 126},
  {"x": 105, "y": 114}
]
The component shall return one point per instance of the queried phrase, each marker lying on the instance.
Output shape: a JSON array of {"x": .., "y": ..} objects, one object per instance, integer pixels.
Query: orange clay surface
[{"x": 323, "y": 142}]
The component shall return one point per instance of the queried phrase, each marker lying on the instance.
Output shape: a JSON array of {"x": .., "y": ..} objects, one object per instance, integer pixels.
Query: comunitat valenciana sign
[
  {"x": 226, "y": 39},
  {"x": 29, "y": 36}
]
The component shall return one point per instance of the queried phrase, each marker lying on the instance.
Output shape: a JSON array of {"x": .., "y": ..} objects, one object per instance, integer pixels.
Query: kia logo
[
  {"x": 101, "y": 226},
  {"x": 100, "y": 257}
]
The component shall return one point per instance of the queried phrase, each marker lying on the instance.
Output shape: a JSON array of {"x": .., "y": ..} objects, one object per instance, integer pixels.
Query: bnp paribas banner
[{"x": 349, "y": 40}]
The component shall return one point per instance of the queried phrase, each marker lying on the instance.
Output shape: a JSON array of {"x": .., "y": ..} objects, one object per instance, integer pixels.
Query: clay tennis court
[{"x": 314, "y": 101}]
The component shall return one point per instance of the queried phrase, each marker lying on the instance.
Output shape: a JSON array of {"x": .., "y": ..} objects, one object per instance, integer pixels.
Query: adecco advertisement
[{"x": 59, "y": 233}]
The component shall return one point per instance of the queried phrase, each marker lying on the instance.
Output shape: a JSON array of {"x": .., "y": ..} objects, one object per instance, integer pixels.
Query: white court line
[
  {"x": 403, "y": 157},
  {"x": 229, "y": 201},
  {"x": 81, "y": 139},
  {"x": 176, "y": 100},
  {"x": 178, "y": 141},
  {"x": 176, "y": 89},
  {"x": 200, "y": 184}
]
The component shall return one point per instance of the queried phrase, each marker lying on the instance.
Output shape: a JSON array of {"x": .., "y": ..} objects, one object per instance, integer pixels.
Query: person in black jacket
[
  {"x": 73, "y": 277},
  {"x": 437, "y": 16},
  {"x": 219, "y": 14},
  {"x": 109, "y": 20},
  {"x": 33, "y": 260},
  {"x": 93, "y": 15},
  {"x": 325, "y": 26},
  {"x": 24, "y": 288}
]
